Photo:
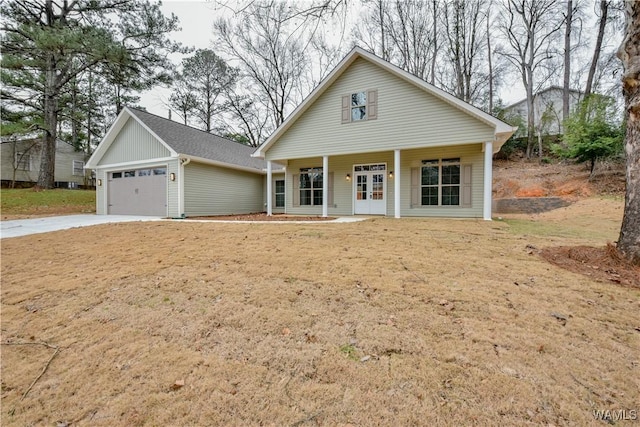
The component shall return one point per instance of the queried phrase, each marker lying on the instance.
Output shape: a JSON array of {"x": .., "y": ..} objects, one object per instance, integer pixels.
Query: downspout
[{"x": 183, "y": 162}]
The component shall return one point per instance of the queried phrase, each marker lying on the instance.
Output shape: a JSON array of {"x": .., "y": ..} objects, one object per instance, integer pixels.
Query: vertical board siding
[
  {"x": 212, "y": 190},
  {"x": 101, "y": 192},
  {"x": 134, "y": 143},
  {"x": 407, "y": 117},
  {"x": 173, "y": 189},
  {"x": 343, "y": 190}
]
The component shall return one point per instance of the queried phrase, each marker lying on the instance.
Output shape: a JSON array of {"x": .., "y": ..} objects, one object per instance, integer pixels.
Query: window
[
  {"x": 144, "y": 172},
  {"x": 311, "y": 187},
  {"x": 280, "y": 193},
  {"x": 359, "y": 106},
  {"x": 116, "y": 175},
  {"x": 440, "y": 182},
  {"x": 78, "y": 167},
  {"x": 129, "y": 174},
  {"x": 160, "y": 171},
  {"x": 23, "y": 161}
]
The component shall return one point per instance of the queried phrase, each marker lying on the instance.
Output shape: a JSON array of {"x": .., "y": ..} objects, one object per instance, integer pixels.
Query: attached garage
[
  {"x": 149, "y": 165},
  {"x": 137, "y": 192}
]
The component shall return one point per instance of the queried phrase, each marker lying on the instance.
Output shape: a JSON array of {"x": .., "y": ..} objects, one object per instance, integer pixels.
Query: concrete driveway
[{"x": 24, "y": 227}]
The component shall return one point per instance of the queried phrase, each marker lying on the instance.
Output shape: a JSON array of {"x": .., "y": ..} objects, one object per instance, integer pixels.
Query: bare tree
[
  {"x": 602, "y": 23},
  {"x": 270, "y": 51},
  {"x": 465, "y": 45},
  {"x": 568, "y": 25},
  {"x": 530, "y": 28},
  {"x": 629, "y": 53}
]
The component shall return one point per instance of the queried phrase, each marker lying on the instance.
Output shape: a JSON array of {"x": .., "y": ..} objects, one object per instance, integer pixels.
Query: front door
[{"x": 369, "y": 189}]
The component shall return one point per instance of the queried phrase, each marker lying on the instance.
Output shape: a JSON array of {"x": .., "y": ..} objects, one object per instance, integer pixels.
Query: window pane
[
  {"x": 279, "y": 200},
  {"x": 305, "y": 181},
  {"x": 358, "y": 99},
  {"x": 429, "y": 175},
  {"x": 305, "y": 197},
  {"x": 451, "y": 195},
  {"x": 317, "y": 180},
  {"x": 430, "y": 196},
  {"x": 144, "y": 172},
  {"x": 358, "y": 113},
  {"x": 317, "y": 197},
  {"x": 451, "y": 174},
  {"x": 280, "y": 186},
  {"x": 116, "y": 175},
  {"x": 160, "y": 171},
  {"x": 129, "y": 174}
]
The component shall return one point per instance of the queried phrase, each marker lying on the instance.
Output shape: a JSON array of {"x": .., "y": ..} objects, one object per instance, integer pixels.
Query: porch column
[
  {"x": 269, "y": 189},
  {"x": 396, "y": 183},
  {"x": 488, "y": 179},
  {"x": 325, "y": 186}
]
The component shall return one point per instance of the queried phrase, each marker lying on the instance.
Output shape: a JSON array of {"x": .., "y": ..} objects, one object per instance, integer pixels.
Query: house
[
  {"x": 20, "y": 164},
  {"x": 372, "y": 139},
  {"x": 149, "y": 165},
  {"x": 547, "y": 108}
]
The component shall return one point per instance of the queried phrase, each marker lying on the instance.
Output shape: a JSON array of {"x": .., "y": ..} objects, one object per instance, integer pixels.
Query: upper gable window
[{"x": 360, "y": 106}]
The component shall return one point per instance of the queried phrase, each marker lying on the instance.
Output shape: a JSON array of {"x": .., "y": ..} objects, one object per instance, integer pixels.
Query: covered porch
[{"x": 390, "y": 183}]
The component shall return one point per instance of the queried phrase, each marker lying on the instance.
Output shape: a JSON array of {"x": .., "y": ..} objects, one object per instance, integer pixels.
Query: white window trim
[
  {"x": 440, "y": 185},
  {"x": 73, "y": 168},
  {"x": 312, "y": 188},
  {"x": 276, "y": 193}
]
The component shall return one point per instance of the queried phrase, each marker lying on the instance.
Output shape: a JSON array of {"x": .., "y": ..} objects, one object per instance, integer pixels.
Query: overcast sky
[{"x": 196, "y": 20}]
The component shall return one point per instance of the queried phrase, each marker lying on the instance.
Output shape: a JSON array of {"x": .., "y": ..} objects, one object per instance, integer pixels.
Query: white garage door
[{"x": 138, "y": 192}]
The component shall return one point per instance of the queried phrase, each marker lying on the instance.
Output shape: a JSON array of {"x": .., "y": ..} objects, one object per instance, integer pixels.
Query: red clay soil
[
  {"x": 602, "y": 264},
  {"x": 262, "y": 217}
]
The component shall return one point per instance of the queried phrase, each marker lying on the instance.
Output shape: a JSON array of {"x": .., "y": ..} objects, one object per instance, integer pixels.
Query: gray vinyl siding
[
  {"x": 343, "y": 189},
  {"x": 134, "y": 143},
  {"x": 407, "y": 117},
  {"x": 213, "y": 190},
  {"x": 65, "y": 155}
]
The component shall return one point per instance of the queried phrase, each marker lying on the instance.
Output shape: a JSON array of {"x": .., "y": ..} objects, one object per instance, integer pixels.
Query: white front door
[{"x": 369, "y": 189}]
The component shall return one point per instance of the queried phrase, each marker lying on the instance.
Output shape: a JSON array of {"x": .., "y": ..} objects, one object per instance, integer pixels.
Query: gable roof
[
  {"x": 502, "y": 130},
  {"x": 182, "y": 141}
]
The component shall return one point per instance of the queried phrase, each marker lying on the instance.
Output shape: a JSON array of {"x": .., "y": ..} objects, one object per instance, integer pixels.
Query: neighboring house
[
  {"x": 547, "y": 108},
  {"x": 373, "y": 139},
  {"x": 149, "y": 165},
  {"x": 21, "y": 163}
]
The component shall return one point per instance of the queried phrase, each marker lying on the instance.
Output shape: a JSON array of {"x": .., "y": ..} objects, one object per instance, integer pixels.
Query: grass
[
  {"x": 27, "y": 202},
  {"x": 383, "y": 322}
]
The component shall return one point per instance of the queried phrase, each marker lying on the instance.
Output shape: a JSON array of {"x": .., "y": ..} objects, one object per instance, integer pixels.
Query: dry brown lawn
[{"x": 383, "y": 322}]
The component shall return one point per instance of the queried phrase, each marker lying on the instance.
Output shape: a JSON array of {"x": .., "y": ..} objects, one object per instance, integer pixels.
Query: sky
[{"x": 196, "y": 20}]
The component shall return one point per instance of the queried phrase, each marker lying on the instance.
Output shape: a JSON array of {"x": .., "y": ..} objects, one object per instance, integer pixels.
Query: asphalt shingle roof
[{"x": 195, "y": 142}]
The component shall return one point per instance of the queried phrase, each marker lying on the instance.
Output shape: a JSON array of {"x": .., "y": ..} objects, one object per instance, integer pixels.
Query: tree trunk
[
  {"x": 629, "y": 53},
  {"x": 604, "y": 11},
  {"x": 567, "y": 61},
  {"x": 490, "y": 63},
  {"x": 46, "y": 176}
]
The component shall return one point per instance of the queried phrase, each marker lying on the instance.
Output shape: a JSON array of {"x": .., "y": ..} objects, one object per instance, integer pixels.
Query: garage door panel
[{"x": 138, "y": 192}]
